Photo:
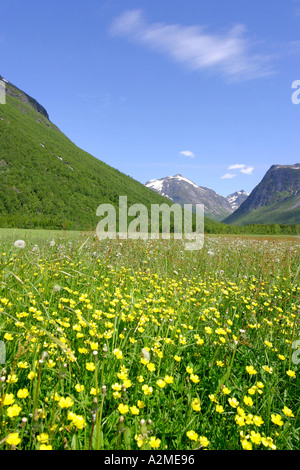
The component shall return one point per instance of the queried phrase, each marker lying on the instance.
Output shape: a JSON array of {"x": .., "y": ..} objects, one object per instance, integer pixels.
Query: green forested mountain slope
[{"x": 46, "y": 180}]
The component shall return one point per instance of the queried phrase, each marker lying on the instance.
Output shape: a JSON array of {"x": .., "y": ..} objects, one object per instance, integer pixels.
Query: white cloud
[
  {"x": 248, "y": 170},
  {"x": 187, "y": 153},
  {"x": 227, "y": 53},
  {"x": 228, "y": 176},
  {"x": 236, "y": 167}
]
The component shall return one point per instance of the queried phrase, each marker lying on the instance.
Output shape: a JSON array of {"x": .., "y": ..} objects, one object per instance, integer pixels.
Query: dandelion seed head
[{"x": 20, "y": 244}]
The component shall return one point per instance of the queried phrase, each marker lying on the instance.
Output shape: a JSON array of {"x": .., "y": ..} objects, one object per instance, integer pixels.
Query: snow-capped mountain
[
  {"x": 181, "y": 190},
  {"x": 237, "y": 198}
]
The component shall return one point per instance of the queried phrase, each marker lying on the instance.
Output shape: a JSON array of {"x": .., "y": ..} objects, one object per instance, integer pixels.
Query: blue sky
[{"x": 155, "y": 88}]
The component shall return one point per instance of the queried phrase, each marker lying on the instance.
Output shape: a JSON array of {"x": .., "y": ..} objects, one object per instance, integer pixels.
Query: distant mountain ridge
[
  {"x": 237, "y": 198},
  {"x": 181, "y": 190},
  {"x": 276, "y": 199}
]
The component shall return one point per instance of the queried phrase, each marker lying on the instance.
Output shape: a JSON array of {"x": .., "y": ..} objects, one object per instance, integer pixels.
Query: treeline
[
  {"x": 48, "y": 222},
  {"x": 255, "y": 229}
]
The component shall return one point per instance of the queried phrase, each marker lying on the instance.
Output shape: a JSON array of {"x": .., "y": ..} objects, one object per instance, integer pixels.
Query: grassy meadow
[{"x": 145, "y": 345}]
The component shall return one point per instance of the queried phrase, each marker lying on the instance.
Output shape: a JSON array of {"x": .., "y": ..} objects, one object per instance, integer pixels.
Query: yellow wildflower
[
  {"x": 251, "y": 370},
  {"x": 13, "y": 439},
  {"x": 277, "y": 419},
  {"x": 65, "y": 402},
  {"x": 161, "y": 383},
  {"x": 123, "y": 409},
  {"x": 204, "y": 442},
  {"x": 154, "y": 442},
  {"x": 192, "y": 435},
  {"x": 13, "y": 410},
  {"x": 288, "y": 412},
  {"x": 196, "y": 404},
  {"x": 8, "y": 399}
]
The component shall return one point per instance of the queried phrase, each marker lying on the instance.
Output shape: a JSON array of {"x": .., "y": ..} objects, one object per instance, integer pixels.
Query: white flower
[
  {"x": 20, "y": 244},
  {"x": 52, "y": 243}
]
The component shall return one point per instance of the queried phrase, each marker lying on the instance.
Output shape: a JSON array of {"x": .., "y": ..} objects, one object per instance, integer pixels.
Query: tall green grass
[{"x": 143, "y": 344}]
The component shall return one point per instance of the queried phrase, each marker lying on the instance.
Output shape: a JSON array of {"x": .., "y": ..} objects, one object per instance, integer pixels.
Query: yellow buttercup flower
[
  {"x": 291, "y": 373},
  {"x": 147, "y": 390},
  {"x": 43, "y": 438},
  {"x": 117, "y": 387},
  {"x": 151, "y": 366},
  {"x": 255, "y": 437},
  {"x": 168, "y": 379},
  {"x": 196, "y": 404},
  {"x": 23, "y": 393},
  {"x": 192, "y": 435},
  {"x": 277, "y": 419},
  {"x": 118, "y": 353},
  {"x": 288, "y": 412},
  {"x": 204, "y": 442},
  {"x": 31, "y": 375},
  {"x": 194, "y": 378},
  {"x": 257, "y": 420},
  {"x": 8, "y": 399},
  {"x": 77, "y": 420},
  {"x": 13, "y": 411},
  {"x": 122, "y": 375},
  {"x": 268, "y": 369},
  {"x": 233, "y": 402},
  {"x": 8, "y": 337},
  {"x": 123, "y": 409},
  {"x": 13, "y": 439},
  {"x": 161, "y": 383},
  {"x": 248, "y": 401},
  {"x": 65, "y": 402},
  {"x": 247, "y": 445},
  {"x": 154, "y": 442},
  {"x": 134, "y": 410},
  {"x": 127, "y": 383},
  {"x": 12, "y": 379},
  {"x": 251, "y": 370}
]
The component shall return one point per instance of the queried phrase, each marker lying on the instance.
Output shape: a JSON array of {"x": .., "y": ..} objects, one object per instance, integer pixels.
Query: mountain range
[
  {"x": 181, "y": 190},
  {"x": 46, "y": 181}
]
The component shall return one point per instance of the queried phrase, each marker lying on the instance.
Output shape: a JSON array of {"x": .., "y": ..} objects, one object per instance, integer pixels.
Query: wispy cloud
[
  {"x": 228, "y": 176},
  {"x": 246, "y": 170},
  {"x": 187, "y": 153},
  {"x": 227, "y": 53},
  {"x": 237, "y": 166}
]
